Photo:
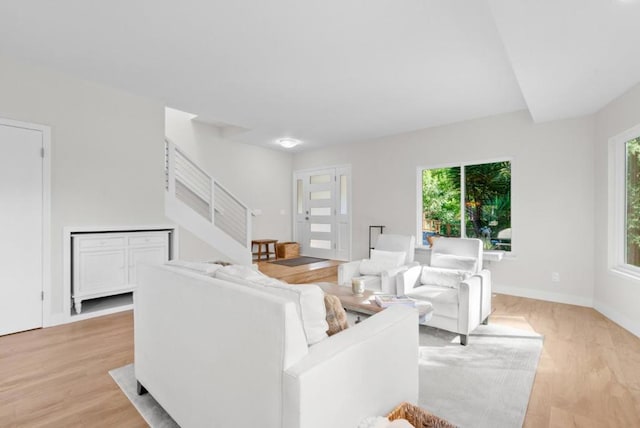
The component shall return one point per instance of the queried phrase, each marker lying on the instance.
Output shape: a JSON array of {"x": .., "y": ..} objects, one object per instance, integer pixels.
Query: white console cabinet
[{"x": 104, "y": 264}]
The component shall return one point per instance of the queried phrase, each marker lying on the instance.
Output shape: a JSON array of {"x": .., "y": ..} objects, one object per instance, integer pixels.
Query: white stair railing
[{"x": 189, "y": 184}]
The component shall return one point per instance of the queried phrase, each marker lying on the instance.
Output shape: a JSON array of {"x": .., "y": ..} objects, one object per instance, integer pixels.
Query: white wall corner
[
  {"x": 615, "y": 316},
  {"x": 569, "y": 299}
]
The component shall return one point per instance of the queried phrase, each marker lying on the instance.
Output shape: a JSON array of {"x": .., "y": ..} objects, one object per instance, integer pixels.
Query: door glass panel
[
  {"x": 320, "y": 243},
  {"x": 299, "y": 192},
  {"x": 322, "y": 194},
  {"x": 321, "y": 211},
  {"x": 343, "y": 194},
  {"x": 321, "y": 227},
  {"x": 320, "y": 179}
]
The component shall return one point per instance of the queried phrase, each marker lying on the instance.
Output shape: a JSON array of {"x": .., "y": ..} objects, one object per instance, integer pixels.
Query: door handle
[{"x": 306, "y": 218}]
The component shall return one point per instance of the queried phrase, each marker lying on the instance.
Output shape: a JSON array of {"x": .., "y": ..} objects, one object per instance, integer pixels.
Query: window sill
[
  {"x": 488, "y": 255},
  {"x": 625, "y": 272}
]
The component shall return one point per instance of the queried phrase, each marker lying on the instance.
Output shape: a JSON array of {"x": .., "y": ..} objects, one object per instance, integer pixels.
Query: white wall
[
  {"x": 616, "y": 296},
  {"x": 259, "y": 177},
  {"x": 107, "y": 152},
  {"x": 552, "y": 200}
]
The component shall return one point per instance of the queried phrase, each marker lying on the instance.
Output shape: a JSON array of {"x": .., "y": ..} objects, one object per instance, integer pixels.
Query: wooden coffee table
[{"x": 366, "y": 303}]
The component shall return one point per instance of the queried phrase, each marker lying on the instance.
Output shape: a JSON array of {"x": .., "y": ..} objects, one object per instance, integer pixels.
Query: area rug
[
  {"x": 298, "y": 261},
  {"x": 484, "y": 384}
]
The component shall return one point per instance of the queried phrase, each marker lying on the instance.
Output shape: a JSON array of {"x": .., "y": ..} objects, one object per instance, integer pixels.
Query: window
[
  {"x": 625, "y": 166},
  {"x": 472, "y": 201}
]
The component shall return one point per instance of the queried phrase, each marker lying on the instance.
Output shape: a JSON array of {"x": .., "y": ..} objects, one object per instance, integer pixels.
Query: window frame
[
  {"x": 463, "y": 229},
  {"x": 617, "y": 236}
]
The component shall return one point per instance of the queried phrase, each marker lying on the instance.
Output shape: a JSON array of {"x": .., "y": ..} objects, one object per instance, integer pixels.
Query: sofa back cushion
[{"x": 457, "y": 253}]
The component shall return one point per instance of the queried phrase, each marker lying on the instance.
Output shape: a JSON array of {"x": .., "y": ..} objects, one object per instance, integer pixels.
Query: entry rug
[
  {"x": 298, "y": 261},
  {"x": 485, "y": 384}
]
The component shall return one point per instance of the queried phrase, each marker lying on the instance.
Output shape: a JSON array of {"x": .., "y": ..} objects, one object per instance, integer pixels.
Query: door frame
[
  {"x": 294, "y": 199},
  {"x": 47, "y": 313}
]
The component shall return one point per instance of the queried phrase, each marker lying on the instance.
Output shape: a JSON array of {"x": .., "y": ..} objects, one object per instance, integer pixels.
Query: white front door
[
  {"x": 322, "y": 212},
  {"x": 21, "y": 214}
]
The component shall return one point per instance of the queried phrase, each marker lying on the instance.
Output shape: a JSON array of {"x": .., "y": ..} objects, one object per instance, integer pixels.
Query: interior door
[
  {"x": 21, "y": 213},
  {"x": 321, "y": 213}
]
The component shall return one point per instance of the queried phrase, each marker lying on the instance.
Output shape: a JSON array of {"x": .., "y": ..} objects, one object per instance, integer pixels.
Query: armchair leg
[
  {"x": 140, "y": 389},
  {"x": 463, "y": 339},
  {"x": 486, "y": 321}
]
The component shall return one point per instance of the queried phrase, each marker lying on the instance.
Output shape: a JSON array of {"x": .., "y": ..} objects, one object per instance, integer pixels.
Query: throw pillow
[
  {"x": 369, "y": 267},
  {"x": 454, "y": 262},
  {"x": 336, "y": 316},
  {"x": 442, "y": 277},
  {"x": 391, "y": 258}
]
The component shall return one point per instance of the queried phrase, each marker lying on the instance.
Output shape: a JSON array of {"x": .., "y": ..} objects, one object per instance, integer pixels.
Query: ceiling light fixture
[{"x": 289, "y": 143}]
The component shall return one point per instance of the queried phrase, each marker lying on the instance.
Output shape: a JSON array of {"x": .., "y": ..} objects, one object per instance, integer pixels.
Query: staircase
[{"x": 201, "y": 205}]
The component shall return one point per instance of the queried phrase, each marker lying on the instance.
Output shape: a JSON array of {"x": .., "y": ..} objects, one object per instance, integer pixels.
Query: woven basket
[
  {"x": 418, "y": 417},
  {"x": 287, "y": 250}
]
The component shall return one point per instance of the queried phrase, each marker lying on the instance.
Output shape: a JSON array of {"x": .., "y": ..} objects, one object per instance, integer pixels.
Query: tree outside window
[
  {"x": 632, "y": 229},
  {"x": 471, "y": 201}
]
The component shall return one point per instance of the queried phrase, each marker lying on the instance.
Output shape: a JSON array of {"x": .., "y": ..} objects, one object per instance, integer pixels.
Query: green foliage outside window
[
  {"x": 633, "y": 202},
  {"x": 487, "y": 202}
]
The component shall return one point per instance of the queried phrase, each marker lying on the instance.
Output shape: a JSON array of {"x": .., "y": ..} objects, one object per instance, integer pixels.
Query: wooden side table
[{"x": 266, "y": 242}]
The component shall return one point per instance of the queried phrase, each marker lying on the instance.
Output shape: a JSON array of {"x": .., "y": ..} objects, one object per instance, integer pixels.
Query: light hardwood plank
[{"x": 589, "y": 371}]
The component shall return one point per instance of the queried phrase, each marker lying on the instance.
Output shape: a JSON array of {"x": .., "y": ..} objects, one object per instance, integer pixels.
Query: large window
[
  {"x": 626, "y": 210},
  {"x": 472, "y": 201}
]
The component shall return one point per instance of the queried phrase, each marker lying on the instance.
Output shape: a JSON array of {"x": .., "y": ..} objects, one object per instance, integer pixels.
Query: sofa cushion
[
  {"x": 449, "y": 261},
  {"x": 309, "y": 301},
  {"x": 443, "y": 299},
  {"x": 205, "y": 268},
  {"x": 443, "y": 277},
  {"x": 336, "y": 315}
]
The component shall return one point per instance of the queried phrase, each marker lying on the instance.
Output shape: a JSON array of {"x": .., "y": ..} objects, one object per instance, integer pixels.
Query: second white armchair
[
  {"x": 454, "y": 283},
  {"x": 392, "y": 255}
]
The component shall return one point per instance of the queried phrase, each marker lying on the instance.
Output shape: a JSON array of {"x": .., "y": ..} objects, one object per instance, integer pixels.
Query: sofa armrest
[
  {"x": 346, "y": 271},
  {"x": 388, "y": 279},
  {"x": 363, "y": 371},
  {"x": 469, "y": 304},
  {"x": 485, "y": 276},
  {"x": 407, "y": 280}
]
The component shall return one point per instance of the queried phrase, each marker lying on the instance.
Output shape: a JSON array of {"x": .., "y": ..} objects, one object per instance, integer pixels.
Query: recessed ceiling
[{"x": 338, "y": 71}]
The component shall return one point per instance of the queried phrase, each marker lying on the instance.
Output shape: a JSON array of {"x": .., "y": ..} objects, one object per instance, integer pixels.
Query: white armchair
[
  {"x": 380, "y": 271},
  {"x": 455, "y": 283}
]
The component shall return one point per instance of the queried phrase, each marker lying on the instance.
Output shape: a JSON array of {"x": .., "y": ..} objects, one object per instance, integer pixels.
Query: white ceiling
[{"x": 330, "y": 72}]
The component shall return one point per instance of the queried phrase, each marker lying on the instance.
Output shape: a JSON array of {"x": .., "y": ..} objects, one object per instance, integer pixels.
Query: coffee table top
[{"x": 366, "y": 303}]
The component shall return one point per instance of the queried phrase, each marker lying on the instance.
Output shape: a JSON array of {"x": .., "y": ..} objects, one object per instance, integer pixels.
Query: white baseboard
[
  {"x": 615, "y": 316},
  {"x": 544, "y": 295}
]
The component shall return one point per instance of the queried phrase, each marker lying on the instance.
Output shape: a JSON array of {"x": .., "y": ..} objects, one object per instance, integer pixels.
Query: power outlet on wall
[{"x": 555, "y": 276}]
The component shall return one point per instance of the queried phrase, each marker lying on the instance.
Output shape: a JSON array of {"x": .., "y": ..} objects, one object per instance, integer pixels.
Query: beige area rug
[{"x": 484, "y": 384}]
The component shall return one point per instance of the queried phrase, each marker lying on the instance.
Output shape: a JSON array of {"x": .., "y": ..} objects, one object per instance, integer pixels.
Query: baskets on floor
[
  {"x": 287, "y": 250},
  {"x": 418, "y": 417}
]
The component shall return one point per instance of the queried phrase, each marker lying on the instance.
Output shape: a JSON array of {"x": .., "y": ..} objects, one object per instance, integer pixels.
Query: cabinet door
[
  {"x": 101, "y": 271},
  {"x": 147, "y": 255}
]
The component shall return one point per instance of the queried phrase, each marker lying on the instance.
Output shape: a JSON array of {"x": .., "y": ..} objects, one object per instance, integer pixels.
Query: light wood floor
[{"x": 588, "y": 376}]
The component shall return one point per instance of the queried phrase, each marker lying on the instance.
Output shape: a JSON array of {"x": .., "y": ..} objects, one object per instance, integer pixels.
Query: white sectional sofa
[{"x": 217, "y": 353}]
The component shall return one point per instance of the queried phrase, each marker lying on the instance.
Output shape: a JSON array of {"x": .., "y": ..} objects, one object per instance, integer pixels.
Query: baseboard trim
[
  {"x": 623, "y": 321},
  {"x": 544, "y": 295}
]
